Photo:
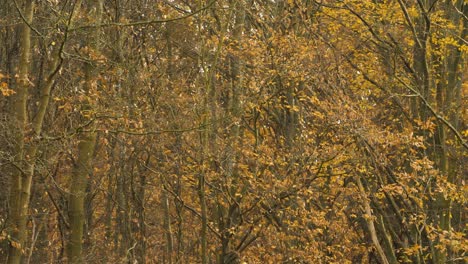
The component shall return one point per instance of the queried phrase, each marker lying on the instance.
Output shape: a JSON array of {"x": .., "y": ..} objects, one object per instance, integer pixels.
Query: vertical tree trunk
[
  {"x": 204, "y": 217},
  {"x": 22, "y": 174},
  {"x": 449, "y": 104},
  {"x": 110, "y": 201},
  {"x": 27, "y": 134},
  {"x": 229, "y": 217},
  {"x": 164, "y": 196},
  {"x": 77, "y": 196},
  {"x": 123, "y": 233},
  {"x": 83, "y": 168},
  {"x": 141, "y": 195},
  {"x": 204, "y": 148},
  {"x": 167, "y": 223}
]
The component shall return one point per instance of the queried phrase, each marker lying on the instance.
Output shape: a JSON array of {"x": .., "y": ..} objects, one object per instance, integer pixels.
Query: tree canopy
[{"x": 233, "y": 131}]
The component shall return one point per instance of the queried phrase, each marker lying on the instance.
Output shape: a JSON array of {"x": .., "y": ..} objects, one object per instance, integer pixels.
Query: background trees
[{"x": 230, "y": 131}]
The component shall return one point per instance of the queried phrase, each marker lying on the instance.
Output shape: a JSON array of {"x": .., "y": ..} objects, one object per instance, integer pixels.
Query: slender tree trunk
[
  {"x": 167, "y": 224},
  {"x": 204, "y": 148},
  {"x": 229, "y": 217},
  {"x": 448, "y": 103},
  {"x": 370, "y": 224},
  {"x": 22, "y": 174},
  {"x": 164, "y": 196},
  {"x": 141, "y": 195},
  {"x": 204, "y": 214},
  {"x": 77, "y": 196},
  {"x": 82, "y": 169},
  {"x": 123, "y": 234},
  {"x": 27, "y": 134}
]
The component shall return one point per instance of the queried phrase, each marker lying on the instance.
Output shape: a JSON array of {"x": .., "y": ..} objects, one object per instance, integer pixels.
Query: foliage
[{"x": 238, "y": 131}]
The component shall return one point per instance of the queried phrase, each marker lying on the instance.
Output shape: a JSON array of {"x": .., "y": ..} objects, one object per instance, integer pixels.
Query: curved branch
[
  {"x": 26, "y": 21},
  {"x": 145, "y": 22}
]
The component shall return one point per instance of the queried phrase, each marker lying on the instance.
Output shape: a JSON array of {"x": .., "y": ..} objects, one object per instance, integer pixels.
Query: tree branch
[
  {"x": 435, "y": 114},
  {"x": 145, "y": 22}
]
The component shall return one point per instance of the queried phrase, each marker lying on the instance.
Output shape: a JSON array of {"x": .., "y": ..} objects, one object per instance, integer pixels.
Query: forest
[{"x": 233, "y": 131}]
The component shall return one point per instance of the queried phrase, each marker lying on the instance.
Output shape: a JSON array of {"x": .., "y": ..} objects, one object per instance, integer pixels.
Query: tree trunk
[
  {"x": 370, "y": 223},
  {"x": 22, "y": 174},
  {"x": 87, "y": 140},
  {"x": 77, "y": 196}
]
